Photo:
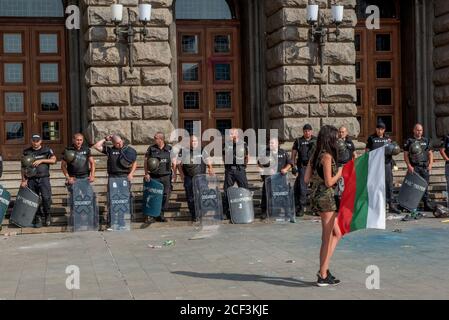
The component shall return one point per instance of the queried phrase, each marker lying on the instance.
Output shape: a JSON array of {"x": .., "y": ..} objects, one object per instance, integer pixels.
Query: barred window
[
  {"x": 31, "y": 8},
  {"x": 203, "y": 9}
]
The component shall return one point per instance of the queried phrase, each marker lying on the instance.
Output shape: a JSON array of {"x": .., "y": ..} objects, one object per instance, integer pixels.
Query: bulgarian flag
[{"x": 363, "y": 201}]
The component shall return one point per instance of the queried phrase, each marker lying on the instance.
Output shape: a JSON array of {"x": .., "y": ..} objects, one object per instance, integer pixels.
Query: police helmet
[
  {"x": 392, "y": 149},
  {"x": 441, "y": 211},
  {"x": 127, "y": 157},
  {"x": 416, "y": 149},
  {"x": 267, "y": 161},
  {"x": 30, "y": 172},
  {"x": 341, "y": 146},
  {"x": 152, "y": 164},
  {"x": 27, "y": 161},
  {"x": 69, "y": 155}
]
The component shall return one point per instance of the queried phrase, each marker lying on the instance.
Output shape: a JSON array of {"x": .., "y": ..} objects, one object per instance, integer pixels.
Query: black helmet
[
  {"x": 416, "y": 149},
  {"x": 440, "y": 211},
  {"x": 30, "y": 172},
  {"x": 392, "y": 149},
  {"x": 27, "y": 160},
  {"x": 152, "y": 164},
  {"x": 267, "y": 161},
  {"x": 341, "y": 146},
  {"x": 127, "y": 157},
  {"x": 69, "y": 155}
]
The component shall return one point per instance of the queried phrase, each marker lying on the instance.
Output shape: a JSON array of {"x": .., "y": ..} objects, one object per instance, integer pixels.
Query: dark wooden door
[
  {"x": 209, "y": 74},
  {"x": 378, "y": 72},
  {"x": 33, "y": 87}
]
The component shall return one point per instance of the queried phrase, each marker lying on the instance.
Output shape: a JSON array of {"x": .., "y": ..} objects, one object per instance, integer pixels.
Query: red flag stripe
[{"x": 348, "y": 198}]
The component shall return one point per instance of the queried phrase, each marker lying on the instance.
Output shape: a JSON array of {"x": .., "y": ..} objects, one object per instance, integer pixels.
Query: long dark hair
[{"x": 327, "y": 142}]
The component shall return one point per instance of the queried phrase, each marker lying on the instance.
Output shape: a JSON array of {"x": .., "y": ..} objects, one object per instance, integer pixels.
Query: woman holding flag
[{"x": 322, "y": 171}]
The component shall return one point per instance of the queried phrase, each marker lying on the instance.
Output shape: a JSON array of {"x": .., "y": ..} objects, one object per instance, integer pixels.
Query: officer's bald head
[
  {"x": 418, "y": 130},
  {"x": 117, "y": 141}
]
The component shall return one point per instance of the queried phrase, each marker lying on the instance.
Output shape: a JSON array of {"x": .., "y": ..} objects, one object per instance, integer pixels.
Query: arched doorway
[
  {"x": 33, "y": 75},
  {"x": 208, "y": 46}
]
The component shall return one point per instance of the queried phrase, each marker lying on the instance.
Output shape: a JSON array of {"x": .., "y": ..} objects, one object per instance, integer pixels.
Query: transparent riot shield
[
  {"x": 120, "y": 204},
  {"x": 153, "y": 194},
  {"x": 241, "y": 205},
  {"x": 83, "y": 207},
  {"x": 280, "y": 198},
  {"x": 5, "y": 198},
  {"x": 25, "y": 208},
  {"x": 208, "y": 205},
  {"x": 412, "y": 191}
]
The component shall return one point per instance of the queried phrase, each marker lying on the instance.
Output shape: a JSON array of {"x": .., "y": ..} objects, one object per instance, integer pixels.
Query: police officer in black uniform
[
  {"x": 167, "y": 169},
  {"x": 422, "y": 164},
  {"x": 236, "y": 159},
  {"x": 378, "y": 140},
  {"x": 114, "y": 155},
  {"x": 349, "y": 153},
  {"x": 444, "y": 151},
  {"x": 283, "y": 164},
  {"x": 193, "y": 161},
  {"x": 301, "y": 152},
  {"x": 77, "y": 161},
  {"x": 37, "y": 178}
]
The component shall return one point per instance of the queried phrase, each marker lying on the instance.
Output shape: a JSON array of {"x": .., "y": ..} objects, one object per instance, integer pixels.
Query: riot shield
[
  {"x": 280, "y": 198},
  {"x": 84, "y": 210},
  {"x": 25, "y": 208},
  {"x": 241, "y": 205},
  {"x": 412, "y": 191},
  {"x": 120, "y": 204},
  {"x": 5, "y": 198},
  {"x": 153, "y": 194},
  {"x": 208, "y": 205}
]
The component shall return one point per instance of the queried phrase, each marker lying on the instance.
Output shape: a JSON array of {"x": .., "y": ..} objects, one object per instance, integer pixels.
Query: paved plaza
[{"x": 239, "y": 262}]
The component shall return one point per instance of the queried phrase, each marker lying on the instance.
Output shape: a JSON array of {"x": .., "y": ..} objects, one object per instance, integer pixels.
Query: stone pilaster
[
  {"x": 137, "y": 104},
  {"x": 441, "y": 65},
  {"x": 298, "y": 92}
]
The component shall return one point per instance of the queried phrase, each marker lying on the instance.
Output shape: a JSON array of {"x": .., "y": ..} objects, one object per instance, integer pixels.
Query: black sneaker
[
  {"x": 328, "y": 273},
  {"x": 47, "y": 220},
  {"x": 161, "y": 219},
  {"x": 394, "y": 209},
  {"x": 328, "y": 281},
  {"x": 37, "y": 222}
]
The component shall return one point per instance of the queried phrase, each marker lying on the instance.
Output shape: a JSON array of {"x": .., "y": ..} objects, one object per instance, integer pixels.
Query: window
[
  {"x": 223, "y": 125},
  {"x": 49, "y": 101},
  {"x": 15, "y": 131},
  {"x": 384, "y": 97},
  {"x": 12, "y": 43},
  {"x": 388, "y": 120},
  {"x": 13, "y": 72},
  {"x": 14, "y": 102},
  {"x": 222, "y": 72},
  {"x": 50, "y": 131},
  {"x": 358, "y": 102},
  {"x": 48, "y": 43},
  {"x": 357, "y": 42},
  {"x": 191, "y": 100},
  {"x": 223, "y": 100},
  {"x": 383, "y": 42},
  {"x": 387, "y": 8},
  {"x": 31, "y": 8},
  {"x": 383, "y": 69},
  {"x": 358, "y": 70},
  {"x": 222, "y": 44},
  {"x": 190, "y": 72},
  {"x": 49, "y": 72},
  {"x": 203, "y": 10},
  {"x": 190, "y": 44}
]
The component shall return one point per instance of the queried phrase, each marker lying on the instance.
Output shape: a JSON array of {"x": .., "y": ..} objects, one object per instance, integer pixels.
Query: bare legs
[{"x": 330, "y": 236}]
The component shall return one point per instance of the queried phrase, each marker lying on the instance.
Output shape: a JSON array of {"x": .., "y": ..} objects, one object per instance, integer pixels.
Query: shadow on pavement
[{"x": 277, "y": 281}]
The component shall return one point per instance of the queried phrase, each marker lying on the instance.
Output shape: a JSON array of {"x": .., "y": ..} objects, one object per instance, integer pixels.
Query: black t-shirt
[
  {"x": 445, "y": 144},
  {"x": 115, "y": 169},
  {"x": 164, "y": 156},
  {"x": 350, "y": 148},
  {"x": 79, "y": 168},
  {"x": 235, "y": 149},
  {"x": 43, "y": 170},
  {"x": 304, "y": 148},
  {"x": 375, "y": 142},
  {"x": 425, "y": 145},
  {"x": 193, "y": 161}
]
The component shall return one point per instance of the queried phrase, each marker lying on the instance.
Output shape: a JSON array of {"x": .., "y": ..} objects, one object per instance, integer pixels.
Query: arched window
[
  {"x": 203, "y": 10},
  {"x": 31, "y": 8}
]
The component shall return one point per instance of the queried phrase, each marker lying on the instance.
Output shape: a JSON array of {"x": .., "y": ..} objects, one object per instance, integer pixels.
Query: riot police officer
[
  {"x": 236, "y": 159},
  {"x": 193, "y": 161},
  {"x": 349, "y": 153},
  {"x": 164, "y": 173},
  {"x": 444, "y": 151},
  {"x": 36, "y": 176},
  {"x": 118, "y": 164},
  {"x": 77, "y": 161},
  {"x": 282, "y": 164},
  {"x": 301, "y": 152},
  {"x": 378, "y": 140},
  {"x": 419, "y": 158}
]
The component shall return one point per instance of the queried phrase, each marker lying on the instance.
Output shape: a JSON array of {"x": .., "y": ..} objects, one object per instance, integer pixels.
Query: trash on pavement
[{"x": 168, "y": 243}]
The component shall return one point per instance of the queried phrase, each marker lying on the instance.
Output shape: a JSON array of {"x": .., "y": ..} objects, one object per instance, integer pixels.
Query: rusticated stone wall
[
  {"x": 298, "y": 92},
  {"x": 441, "y": 64},
  {"x": 136, "y": 104}
]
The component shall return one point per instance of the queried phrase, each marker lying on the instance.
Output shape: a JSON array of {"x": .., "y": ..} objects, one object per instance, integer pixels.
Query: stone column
[
  {"x": 441, "y": 64},
  {"x": 137, "y": 104},
  {"x": 298, "y": 92}
]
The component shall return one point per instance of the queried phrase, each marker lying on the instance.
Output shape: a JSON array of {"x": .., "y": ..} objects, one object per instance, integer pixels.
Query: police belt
[
  {"x": 36, "y": 177},
  {"x": 235, "y": 167},
  {"x": 420, "y": 164},
  {"x": 157, "y": 176}
]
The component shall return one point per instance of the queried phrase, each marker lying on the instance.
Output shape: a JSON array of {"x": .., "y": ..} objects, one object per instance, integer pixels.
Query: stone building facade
[{"x": 279, "y": 81}]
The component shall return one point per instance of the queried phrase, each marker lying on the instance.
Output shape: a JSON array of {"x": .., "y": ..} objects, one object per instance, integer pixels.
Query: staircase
[{"x": 178, "y": 210}]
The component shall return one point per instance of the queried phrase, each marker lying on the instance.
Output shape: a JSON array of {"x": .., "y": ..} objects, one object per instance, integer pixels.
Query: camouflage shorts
[{"x": 323, "y": 199}]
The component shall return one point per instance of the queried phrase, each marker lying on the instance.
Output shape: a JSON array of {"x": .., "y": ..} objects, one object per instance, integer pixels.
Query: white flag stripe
[{"x": 376, "y": 189}]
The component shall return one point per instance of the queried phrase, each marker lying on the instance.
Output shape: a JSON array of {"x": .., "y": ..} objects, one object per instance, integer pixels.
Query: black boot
[
  {"x": 428, "y": 206},
  {"x": 37, "y": 221},
  {"x": 394, "y": 209},
  {"x": 47, "y": 220}
]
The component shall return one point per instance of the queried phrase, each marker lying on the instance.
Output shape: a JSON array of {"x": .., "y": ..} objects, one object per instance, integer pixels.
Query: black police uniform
[
  {"x": 234, "y": 172},
  {"x": 304, "y": 149},
  {"x": 40, "y": 183},
  {"x": 283, "y": 159},
  {"x": 445, "y": 146},
  {"x": 79, "y": 168},
  {"x": 193, "y": 163},
  {"x": 375, "y": 142},
  {"x": 421, "y": 165},
  {"x": 1, "y": 166},
  {"x": 349, "y": 152},
  {"x": 164, "y": 173}
]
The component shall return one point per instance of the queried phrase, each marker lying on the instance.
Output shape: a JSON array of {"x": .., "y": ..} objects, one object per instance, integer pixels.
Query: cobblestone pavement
[{"x": 258, "y": 261}]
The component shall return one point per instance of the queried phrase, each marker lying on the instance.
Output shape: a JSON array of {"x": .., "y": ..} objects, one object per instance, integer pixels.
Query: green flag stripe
[{"x": 360, "y": 214}]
